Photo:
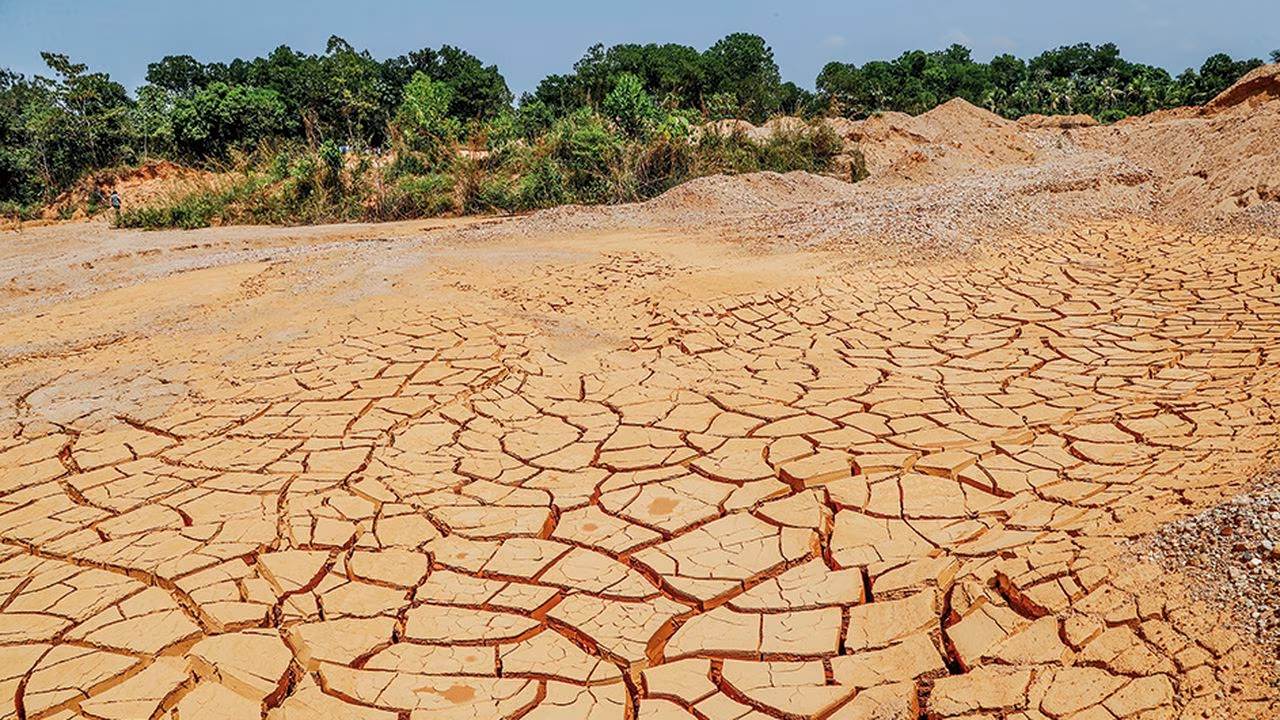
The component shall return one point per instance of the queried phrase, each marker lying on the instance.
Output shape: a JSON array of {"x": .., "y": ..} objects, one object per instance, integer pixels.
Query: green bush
[
  {"x": 492, "y": 194},
  {"x": 418, "y": 196},
  {"x": 196, "y": 210},
  {"x": 812, "y": 149},
  {"x": 423, "y": 120},
  {"x": 662, "y": 164},
  {"x": 542, "y": 186},
  {"x": 584, "y": 159},
  {"x": 629, "y": 106},
  {"x": 590, "y": 153},
  {"x": 331, "y": 166},
  {"x": 729, "y": 153}
]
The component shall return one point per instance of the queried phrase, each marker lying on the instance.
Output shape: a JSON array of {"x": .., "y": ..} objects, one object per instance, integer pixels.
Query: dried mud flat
[{"x": 413, "y": 471}]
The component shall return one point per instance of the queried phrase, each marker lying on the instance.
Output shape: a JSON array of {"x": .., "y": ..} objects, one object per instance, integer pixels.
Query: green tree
[
  {"x": 18, "y": 182},
  {"x": 75, "y": 122},
  {"x": 179, "y": 74},
  {"x": 629, "y": 105},
  {"x": 354, "y": 84},
  {"x": 152, "y": 120},
  {"x": 479, "y": 91},
  {"x": 1218, "y": 73},
  {"x": 423, "y": 119},
  {"x": 742, "y": 64},
  {"x": 222, "y": 117}
]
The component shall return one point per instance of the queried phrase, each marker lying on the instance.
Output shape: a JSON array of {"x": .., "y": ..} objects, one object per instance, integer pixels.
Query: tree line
[{"x": 56, "y": 127}]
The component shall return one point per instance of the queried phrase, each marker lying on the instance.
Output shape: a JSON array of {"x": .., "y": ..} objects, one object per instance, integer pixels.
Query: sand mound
[
  {"x": 952, "y": 139},
  {"x": 953, "y": 216},
  {"x": 1211, "y": 165},
  {"x": 751, "y": 192},
  {"x": 1258, "y": 86},
  {"x": 715, "y": 200}
]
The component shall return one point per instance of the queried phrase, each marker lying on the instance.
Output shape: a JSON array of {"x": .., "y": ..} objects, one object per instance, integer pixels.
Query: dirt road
[{"x": 390, "y": 472}]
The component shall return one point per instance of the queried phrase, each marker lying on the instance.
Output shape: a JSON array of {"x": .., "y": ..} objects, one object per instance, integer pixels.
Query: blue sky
[{"x": 530, "y": 39}]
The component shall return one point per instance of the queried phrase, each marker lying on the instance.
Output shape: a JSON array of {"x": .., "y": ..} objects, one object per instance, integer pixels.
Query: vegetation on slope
[{"x": 341, "y": 135}]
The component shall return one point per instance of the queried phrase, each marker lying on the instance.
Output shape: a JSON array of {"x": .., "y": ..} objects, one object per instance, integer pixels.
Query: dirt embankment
[{"x": 138, "y": 186}]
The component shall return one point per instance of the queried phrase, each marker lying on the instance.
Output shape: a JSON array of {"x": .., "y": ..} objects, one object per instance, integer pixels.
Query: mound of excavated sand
[
  {"x": 751, "y": 192},
  {"x": 702, "y": 202},
  {"x": 955, "y": 215},
  {"x": 1213, "y": 164},
  {"x": 954, "y": 138},
  {"x": 1259, "y": 85}
]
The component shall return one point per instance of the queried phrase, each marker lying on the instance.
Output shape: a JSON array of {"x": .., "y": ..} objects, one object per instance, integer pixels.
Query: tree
[
  {"x": 479, "y": 91},
  {"x": 222, "y": 117},
  {"x": 74, "y": 122},
  {"x": 423, "y": 119},
  {"x": 742, "y": 64},
  {"x": 17, "y": 164},
  {"x": 152, "y": 119},
  {"x": 180, "y": 74},
  {"x": 353, "y": 82},
  {"x": 629, "y": 106},
  {"x": 1275, "y": 56},
  {"x": 1218, "y": 73}
]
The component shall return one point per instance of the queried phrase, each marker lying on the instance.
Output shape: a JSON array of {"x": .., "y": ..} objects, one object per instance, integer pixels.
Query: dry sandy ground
[
  {"x": 404, "y": 472},
  {"x": 770, "y": 447}
]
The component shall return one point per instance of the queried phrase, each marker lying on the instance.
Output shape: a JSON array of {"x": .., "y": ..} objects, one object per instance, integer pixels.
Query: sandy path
[{"x": 296, "y": 474}]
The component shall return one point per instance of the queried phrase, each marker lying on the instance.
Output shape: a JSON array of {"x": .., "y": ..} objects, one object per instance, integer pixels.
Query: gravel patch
[{"x": 1231, "y": 552}]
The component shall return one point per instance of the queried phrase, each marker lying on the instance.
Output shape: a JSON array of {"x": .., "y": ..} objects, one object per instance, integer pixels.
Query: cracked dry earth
[{"x": 640, "y": 475}]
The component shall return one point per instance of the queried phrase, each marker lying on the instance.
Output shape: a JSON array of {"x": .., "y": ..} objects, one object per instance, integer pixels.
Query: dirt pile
[
  {"x": 753, "y": 192},
  {"x": 715, "y": 200},
  {"x": 953, "y": 216},
  {"x": 1232, "y": 551},
  {"x": 942, "y": 181},
  {"x": 1213, "y": 166},
  {"x": 953, "y": 138},
  {"x": 1260, "y": 85}
]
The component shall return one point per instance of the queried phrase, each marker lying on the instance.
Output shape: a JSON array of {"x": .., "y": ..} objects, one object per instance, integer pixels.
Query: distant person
[{"x": 115, "y": 204}]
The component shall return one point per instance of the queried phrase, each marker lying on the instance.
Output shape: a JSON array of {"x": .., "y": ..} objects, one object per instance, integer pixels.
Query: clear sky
[{"x": 531, "y": 38}]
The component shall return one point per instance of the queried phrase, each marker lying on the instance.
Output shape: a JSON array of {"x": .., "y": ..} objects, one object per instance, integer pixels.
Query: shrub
[
  {"x": 492, "y": 194},
  {"x": 629, "y": 106},
  {"x": 663, "y": 164},
  {"x": 418, "y": 196},
  {"x": 423, "y": 121},
  {"x": 192, "y": 211},
  {"x": 407, "y": 163},
  {"x": 542, "y": 186},
  {"x": 726, "y": 153},
  {"x": 722, "y": 106},
  {"x": 811, "y": 148},
  {"x": 534, "y": 118},
  {"x": 331, "y": 166},
  {"x": 589, "y": 153}
]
